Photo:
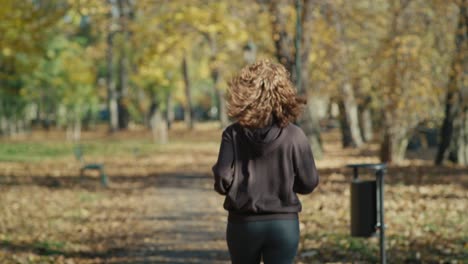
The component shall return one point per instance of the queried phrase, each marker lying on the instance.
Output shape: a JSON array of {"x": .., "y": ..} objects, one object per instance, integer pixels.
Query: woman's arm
[
  {"x": 307, "y": 177},
  {"x": 223, "y": 169}
]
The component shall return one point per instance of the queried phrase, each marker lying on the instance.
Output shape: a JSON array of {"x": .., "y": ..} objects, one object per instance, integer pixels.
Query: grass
[
  {"x": 36, "y": 152},
  {"x": 51, "y": 145},
  {"x": 49, "y": 247},
  {"x": 33, "y": 151},
  {"x": 44, "y": 247}
]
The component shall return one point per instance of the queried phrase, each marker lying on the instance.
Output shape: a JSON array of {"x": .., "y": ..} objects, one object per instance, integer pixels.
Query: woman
[{"x": 264, "y": 161}]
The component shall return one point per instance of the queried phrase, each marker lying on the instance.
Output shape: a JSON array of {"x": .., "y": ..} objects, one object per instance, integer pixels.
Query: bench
[{"x": 78, "y": 150}]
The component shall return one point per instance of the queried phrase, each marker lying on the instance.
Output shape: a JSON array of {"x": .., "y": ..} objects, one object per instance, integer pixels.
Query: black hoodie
[{"x": 261, "y": 170}]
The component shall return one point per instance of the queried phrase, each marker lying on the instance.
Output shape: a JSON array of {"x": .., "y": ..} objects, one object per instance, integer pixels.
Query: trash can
[
  {"x": 367, "y": 204},
  {"x": 363, "y": 208}
]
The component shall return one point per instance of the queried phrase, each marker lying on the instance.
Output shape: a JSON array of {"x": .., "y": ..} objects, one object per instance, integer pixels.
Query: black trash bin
[
  {"x": 363, "y": 208},
  {"x": 367, "y": 204}
]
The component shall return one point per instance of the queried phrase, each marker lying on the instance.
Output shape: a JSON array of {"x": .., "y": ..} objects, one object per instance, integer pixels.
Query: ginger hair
[{"x": 262, "y": 92}]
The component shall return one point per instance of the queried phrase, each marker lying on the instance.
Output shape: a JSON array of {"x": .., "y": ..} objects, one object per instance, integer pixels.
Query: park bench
[{"x": 78, "y": 150}]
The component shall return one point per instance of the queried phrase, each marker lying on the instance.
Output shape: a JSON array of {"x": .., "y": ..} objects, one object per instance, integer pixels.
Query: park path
[
  {"x": 180, "y": 220},
  {"x": 189, "y": 213}
]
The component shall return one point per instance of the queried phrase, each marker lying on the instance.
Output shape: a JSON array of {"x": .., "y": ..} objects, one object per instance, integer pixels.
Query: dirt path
[
  {"x": 188, "y": 222},
  {"x": 179, "y": 219}
]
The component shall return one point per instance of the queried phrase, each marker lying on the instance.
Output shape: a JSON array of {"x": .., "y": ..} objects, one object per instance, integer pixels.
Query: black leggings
[{"x": 274, "y": 240}]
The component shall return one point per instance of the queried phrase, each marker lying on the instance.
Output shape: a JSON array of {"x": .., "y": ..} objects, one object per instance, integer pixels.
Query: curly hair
[{"x": 262, "y": 92}]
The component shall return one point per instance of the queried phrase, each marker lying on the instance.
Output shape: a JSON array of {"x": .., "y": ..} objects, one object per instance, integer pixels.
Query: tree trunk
[
  {"x": 2, "y": 119},
  {"x": 141, "y": 97},
  {"x": 122, "y": 66},
  {"x": 458, "y": 151},
  {"x": 69, "y": 130},
  {"x": 77, "y": 126},
  {"x": 188, "y": 94},
  {"x": 163, "y": 130},
  {"x": 365, "y": 123},
  {"x": 349, "y": 116},
  {"x": 112, "y": 93},
  {"x": 393, "y": 146},
  {"x": 454, "y": 132},
  {"x": 446, "y": 131},
  {"x": 283, "y": 41},
  {"x": 346, "y": 137},
  {"x": 13, "y": 128},
  {"x": 158, "y": 124},
  {"x": 395, "y": 140},
  {"x": 153, "y": 124},
  {"x": 123, "y": 115},
  {"x": 122, "y": 85},
  {"x": 216, "y": 77},
  {"x": 6, "y": 123},
  {"x": 20, "y": 126},
  {"x": 309, "y": 122},
  {"x": 111, "y": 88},
  {"x": 169, "y": 110},
  {"x": 47, "y": 109},
  {"x": 38, "y": 111},
  {"x": 222, "y": 108},
  {"x": 3, "y": 126},
  {"x": 221, "y": 104}
]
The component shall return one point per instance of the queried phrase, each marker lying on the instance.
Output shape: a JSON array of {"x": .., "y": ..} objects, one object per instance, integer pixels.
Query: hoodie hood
[{"x": 263, "y": 140}]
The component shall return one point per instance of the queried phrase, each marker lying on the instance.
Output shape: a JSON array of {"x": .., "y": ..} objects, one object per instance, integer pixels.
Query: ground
[{"x": 160, "y": 206}]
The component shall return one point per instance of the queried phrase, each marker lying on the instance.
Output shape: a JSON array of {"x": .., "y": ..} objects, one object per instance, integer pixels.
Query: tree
[
  {"x": 24, "y": 31},
  {"x": 349, "y": 116},
  {"x": 55, "y": 86},
  {"x": 454, "y": 131},
  {"x": 188, "y": 93},
  {"x": 403, "y": 75},
  {"x": 109, "y": 23},
  {"x": 224, "y": 33},
  {"x": 283, "y": 41}
]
